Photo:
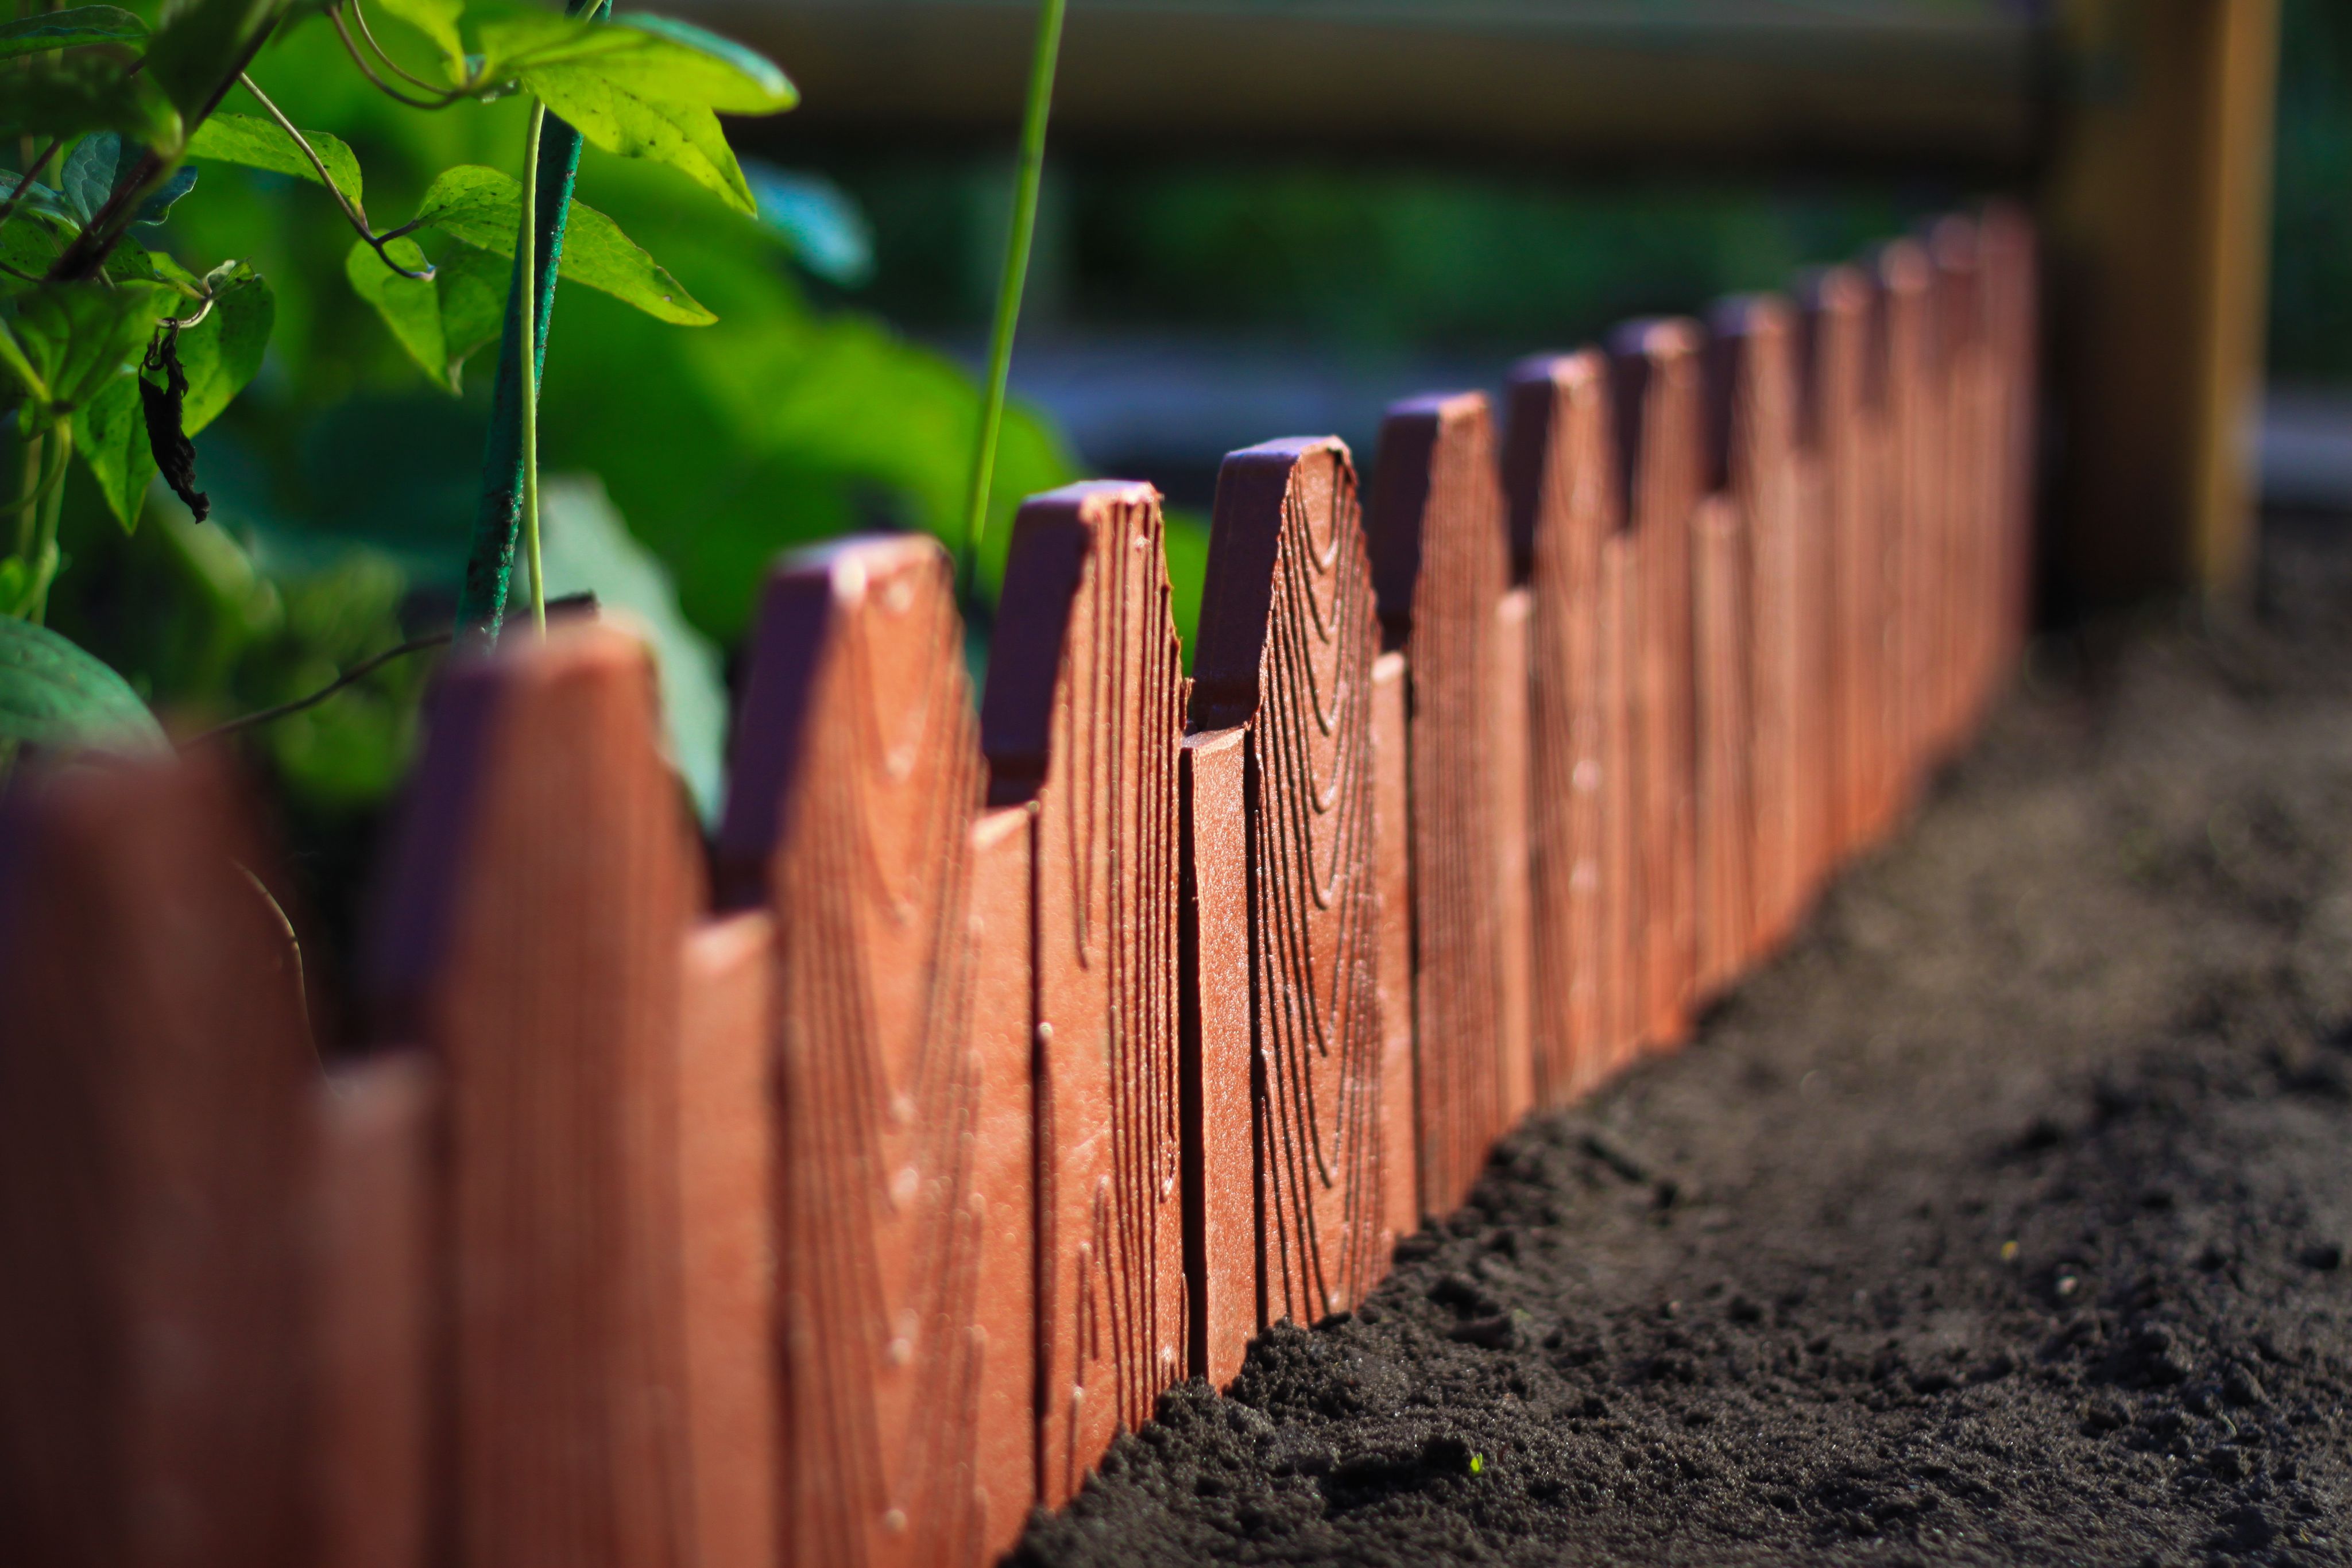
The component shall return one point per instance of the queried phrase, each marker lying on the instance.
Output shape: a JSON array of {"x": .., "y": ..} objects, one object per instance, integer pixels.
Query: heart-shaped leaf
[
  {"x": 54, "y": 695},
  {"x": 74, "y": 336},
  {"x": 260, "y": 143}
]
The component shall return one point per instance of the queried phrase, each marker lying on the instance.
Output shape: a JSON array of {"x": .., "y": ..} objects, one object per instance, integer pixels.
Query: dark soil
[{"x": 2003, "y": 1220}]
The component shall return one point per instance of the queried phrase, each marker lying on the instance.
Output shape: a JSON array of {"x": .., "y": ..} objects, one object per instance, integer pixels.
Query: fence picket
[
  {"x": 1439, "y": 569},
  {"x": 1560, "y": 485},
  {"x": 727, "y": 1183},
  {"x": 857, "y": 778},
  {"x": 155, "y": 1078},
  {"x": 1661, "y": 414},
  {"x": 378, "y": 1297},
  {"x": 1285, "y": 661},
  {"x": 1084, "y": 715},
  {"x": 1831, "y": 334},
  {"x": 531, "y": 938},
  {"x": 1392, "y": 878}
]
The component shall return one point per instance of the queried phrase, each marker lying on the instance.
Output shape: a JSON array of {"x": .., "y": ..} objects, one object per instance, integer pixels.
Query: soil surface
[{"x": 2002, "y": 1219}]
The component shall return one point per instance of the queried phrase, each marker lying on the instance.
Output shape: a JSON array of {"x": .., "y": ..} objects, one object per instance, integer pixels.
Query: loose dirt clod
[{"x": 2002, "y": 1220}]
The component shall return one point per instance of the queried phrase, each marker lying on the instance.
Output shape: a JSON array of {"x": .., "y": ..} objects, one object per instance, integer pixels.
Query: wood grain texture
[
  {"x": 1286, "y": 643},
  {"x": 1625, "y": 895},
  {"x": 1393, "y": 877},
  {"x": 1660, "y": 400},
  {"x": 1513, "y": 801},
  {"x": 1561, "y": 482},
  {"x": 1751, "y": 394},
  {"x": 1003, "y": 1028},
  {"x": 378, "y": 1300},
  {"x": 727, "y": 1185},
  {"x": 858, "y": 776},
  {"x": 1222, "y": 1266},
  {"x": 155, "y": 1101},
  {"x": 1084, "y": 717},
  {"x": 1439, "y": 569},
  {"x": 531, "y": 936}
]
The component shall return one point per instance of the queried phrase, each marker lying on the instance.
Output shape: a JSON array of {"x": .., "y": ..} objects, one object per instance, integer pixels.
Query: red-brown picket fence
[{"x": 834, "y": 1196}]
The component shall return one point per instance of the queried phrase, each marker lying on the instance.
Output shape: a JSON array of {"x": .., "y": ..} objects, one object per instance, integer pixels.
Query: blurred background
[{"x": 1260, "y": 217}]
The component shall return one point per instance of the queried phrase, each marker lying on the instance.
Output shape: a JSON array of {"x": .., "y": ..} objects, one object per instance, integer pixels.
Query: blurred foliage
[
  {"x": 2311, "y": 266},
  {"x": 345, "y": 480},
  {"x": 1354, "y": 257}
]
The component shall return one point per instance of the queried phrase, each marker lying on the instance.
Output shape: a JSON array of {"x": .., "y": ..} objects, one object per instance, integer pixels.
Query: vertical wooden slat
[
  {"x": 1439, "y": 568},
  {"x": 1913, "y": 503},
  {"x": 1003, "y": 1035},
  {"x": 1084, "y": 717},
  {"x": 1623, "y": 912},
  {"x": 378, "y": 1300},
  {"x": 1562, "y": 486},
  {"x": 727, "y": 1178},
  {"x": 1830, "y": 329},
  {"x": 531, "y": 937},
  {"x": 1728, "y": 817},
  {"x": 857, "y": 778},
  {"x": 1222, "y": 1135},
  {"x": 1752, "y": 394},
  {"x": 1284, "y": 660},
  {"x": 1512, "y": 787},
  {"x": 1812, "y": 712},
  {"x": 1661, "y": 415},
  {"x": 1392, "y": 857},
  {"x": 155, "y": 1080}
]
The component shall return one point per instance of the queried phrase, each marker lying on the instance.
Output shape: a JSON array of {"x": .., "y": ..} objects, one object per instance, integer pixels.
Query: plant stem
[
  {"x": 1009, "y": 286},
  {"x": 45, "y": 538},
  {"x": 497, "y": 517},
  {"x": 26, "y": 520},
  {"x": 523, "y": 246}
]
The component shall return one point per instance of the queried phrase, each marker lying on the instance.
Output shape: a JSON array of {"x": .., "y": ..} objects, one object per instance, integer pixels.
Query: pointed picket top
[
  {"x": 857, "y": 779},
  {"x": 1660, "y": 405},
  {"x": 156, "y": 1083},
  {"x": 1084, "y": 721},
  {"x": 1440, "y": 567},
  {"x": 530, "y": 935},
  {"x": 1287, "y": 646},
  {"x": 1560, "y": 478}
]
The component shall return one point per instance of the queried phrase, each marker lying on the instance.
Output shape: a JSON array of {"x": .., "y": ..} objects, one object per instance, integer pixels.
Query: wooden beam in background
[{"x": 2158, "y": 218}]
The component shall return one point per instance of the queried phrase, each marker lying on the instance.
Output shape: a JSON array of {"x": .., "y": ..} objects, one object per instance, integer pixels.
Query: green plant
[{"x": 122, "y": 353}]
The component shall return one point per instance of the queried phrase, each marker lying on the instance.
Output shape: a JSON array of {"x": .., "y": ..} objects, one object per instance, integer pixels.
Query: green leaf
[
  {"x": 438, "y": 20},
  {"x": 411, "y": 307},
  {"x": 698, "y": 64},
  {"x": 260, "y": 143},
  {"x": 473, "y": 286},
  {"x": 94, "y": 169},
  {"x": 39, "y": 198},
  {"x": 83, "y": 93},
  {"x": 588, "y": 548},
  {"x": 73, "y": 30},
  {"x": 442, "y": 320},
  {"x": 222, "y": 353},
  {"x": 483, "y": 208},
  {"x": 110, "y": 438},
  {"x": 54, "y": 695},
  {"x": 76, "y": 335},
  {"x": 645, "y": 86},
  {"x": 201, "y": 44}
]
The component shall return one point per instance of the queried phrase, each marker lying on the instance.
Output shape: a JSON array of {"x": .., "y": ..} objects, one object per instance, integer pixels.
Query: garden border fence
[{"x": 836, "y": 1195}]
